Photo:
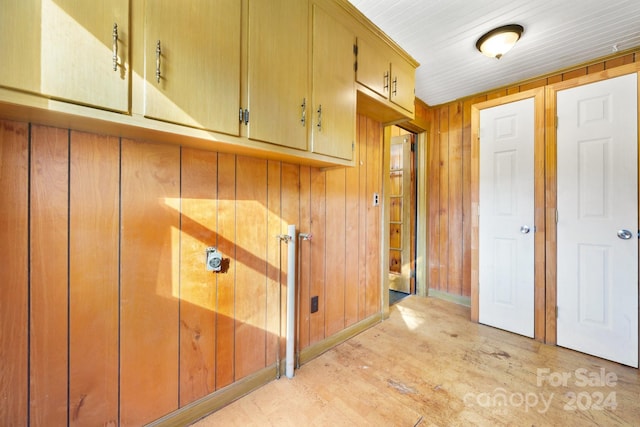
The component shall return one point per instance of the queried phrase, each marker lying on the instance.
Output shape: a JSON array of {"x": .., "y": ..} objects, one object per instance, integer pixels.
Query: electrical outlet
[
  {"x": 376, "y": 199},
  {"x": 314, "y": 304}
]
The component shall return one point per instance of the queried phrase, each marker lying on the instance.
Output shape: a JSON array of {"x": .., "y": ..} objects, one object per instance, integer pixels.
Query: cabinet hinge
[{"x": 244, "y": 116}]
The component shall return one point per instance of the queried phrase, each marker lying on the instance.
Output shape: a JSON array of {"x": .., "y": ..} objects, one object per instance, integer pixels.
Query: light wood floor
[{"x": 428, "y": 365}]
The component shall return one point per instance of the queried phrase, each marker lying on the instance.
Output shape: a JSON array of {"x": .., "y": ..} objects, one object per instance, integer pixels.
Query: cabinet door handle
[
  {"x": 303, "y": 118},
  {"x": 158, "y": 53},
  {"x": 115, "y": 46},
  {"x": 386, "y": 81},
  {"x": 395, "y": 86},
  {"x": 319, "y": 125}
]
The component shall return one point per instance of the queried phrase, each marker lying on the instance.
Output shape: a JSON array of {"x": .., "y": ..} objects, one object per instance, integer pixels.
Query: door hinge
[
  {"x": 556, "y": 311},
  {"x": 557, "y": 120},
  {"x": 355, "y": 49},
  {"x": 353, "y": 146},
  {"x": 413, "y": 147},
  {"x": 557, "y": 217}
]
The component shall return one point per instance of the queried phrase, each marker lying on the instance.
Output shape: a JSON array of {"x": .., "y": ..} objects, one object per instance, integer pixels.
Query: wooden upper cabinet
[
  {"x": 192, "y": 54},
  {"x": 73, "y": 50},
  {"x": 334, "y": 97},
  {"x": 374, "y": 67},
  {"x": 402, "y": 85},
  {"x": 385, "y": 72},
  {"x": 278, "y": 90}
]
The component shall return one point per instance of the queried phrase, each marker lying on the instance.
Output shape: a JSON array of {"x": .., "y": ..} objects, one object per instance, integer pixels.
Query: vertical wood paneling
[
  {"x": 579, "y": 72},
  {"x": 135, "y": 219},
  {"x": 622, "y": 60},
  {"x": 352, "y": 242},
  {"x": 554, "y": 79},
  {"x": 225, "y": 334},
  {"x": 198, "y": 222},
  {"x": 466, "y": 193},
  {"x": 94, "y": 224},
  {"x": 496, "y": 94},
  {"x": 374, "y": 185},
  {"x": 433, "y": 170},
  {"x": 49, "y": 275},
  {"x": 335, "y": 267},
  {"x": 251, "y": 265},
  {"x": 443, "y": 222},
  {"x": 306, "y": 252},
  {"x": 595, "y": 68},
  {"x": 149, "y": 281},
  {"x": 317, "y": 261},
  {"x": 276, "y": 224},
  {"x": 456, "y": 241},
  {"x": 533, "y": 85},
  {"x": 14, "y": 292},
  {"x": 363, "y": 199}
]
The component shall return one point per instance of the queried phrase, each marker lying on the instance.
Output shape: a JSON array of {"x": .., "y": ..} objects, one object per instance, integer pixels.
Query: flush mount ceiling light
[{"x": 500, "y": 40}]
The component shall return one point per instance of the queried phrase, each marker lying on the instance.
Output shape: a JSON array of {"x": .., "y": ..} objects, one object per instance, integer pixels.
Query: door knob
[
  {"x": 525, "y": 229},
  {"x": 625, "y": 234}
]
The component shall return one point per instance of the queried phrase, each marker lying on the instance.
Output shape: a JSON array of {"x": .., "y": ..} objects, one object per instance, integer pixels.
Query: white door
[
  {"x": 597, "y": 276},
  {"x": 506, "y": 217}
]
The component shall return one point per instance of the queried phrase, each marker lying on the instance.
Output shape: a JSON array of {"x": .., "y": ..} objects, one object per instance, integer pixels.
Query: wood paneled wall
[
  {"x": 449, "y": 179},
  {"x": 108, "y": 314}
]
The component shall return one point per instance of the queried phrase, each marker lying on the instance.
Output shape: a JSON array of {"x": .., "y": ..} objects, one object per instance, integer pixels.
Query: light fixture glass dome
[{"x": 499, "y": 41}]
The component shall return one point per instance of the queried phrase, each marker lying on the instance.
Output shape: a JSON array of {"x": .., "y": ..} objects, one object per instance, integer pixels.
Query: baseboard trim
[
  {"x": 214, "y": 401},
  {"x": 318, "y": 348},
  {"x": 458, "y": 299},
  {"x": 217, "y": 400}
]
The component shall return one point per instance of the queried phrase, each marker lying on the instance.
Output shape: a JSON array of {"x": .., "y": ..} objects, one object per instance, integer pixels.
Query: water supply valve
[{"x": 214, "y": 259}]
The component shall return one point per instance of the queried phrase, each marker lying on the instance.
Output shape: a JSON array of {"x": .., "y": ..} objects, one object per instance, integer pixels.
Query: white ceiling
[{"x": 441, "y": 35}]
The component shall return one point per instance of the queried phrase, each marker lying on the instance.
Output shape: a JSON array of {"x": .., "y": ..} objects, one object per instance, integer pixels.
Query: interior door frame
[
  {"x": 540, "y": 231},
  {"x": 551, "y": 182},
  {"x": 419, "y": 127}
]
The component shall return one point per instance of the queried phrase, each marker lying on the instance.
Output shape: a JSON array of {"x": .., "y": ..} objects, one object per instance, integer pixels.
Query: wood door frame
[
  {"x": 539, "y": 219},
  {"x": 551, "y": 183},
  {"x": 419, "y": 127}
]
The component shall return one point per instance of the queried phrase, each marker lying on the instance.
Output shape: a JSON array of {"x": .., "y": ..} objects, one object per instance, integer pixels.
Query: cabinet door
[
  {"x": 278, "y": 71},
  {"x": 403, "y": 84},
  {"x": 334, "y": 97},
  {"x": 192, "y": 63},
  {"x": 65, "y": 49},
  {"x": 373, "y": 70}
]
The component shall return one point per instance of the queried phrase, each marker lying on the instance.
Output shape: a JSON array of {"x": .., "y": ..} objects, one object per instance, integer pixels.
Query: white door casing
[
  {"x": 506, "y": 217},
  {"x": 597, "y": 272}
]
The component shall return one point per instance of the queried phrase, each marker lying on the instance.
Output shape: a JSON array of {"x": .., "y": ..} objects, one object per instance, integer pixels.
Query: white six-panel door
[
  {"x": 597, "y": 273},
  {"x": 506, "y": 217}
]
